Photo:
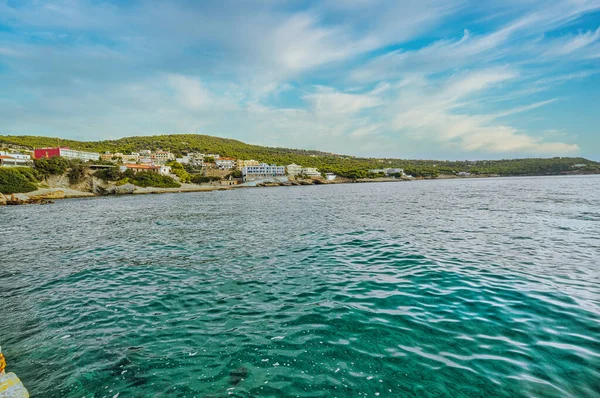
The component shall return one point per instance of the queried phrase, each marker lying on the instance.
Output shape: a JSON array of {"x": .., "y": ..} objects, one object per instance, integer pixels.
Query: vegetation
[
  {"x": 141, "y": 179},
  {"x": 346, "y": 166},
  {"x": 180, "y": 172},
  {"x": 200, "y": 179},
  {"x": 151, "y": 179},
  {"x": 76, "y": 174},
  {"x": 17, "y": 180},
  {"x": 52, "y": 166}
]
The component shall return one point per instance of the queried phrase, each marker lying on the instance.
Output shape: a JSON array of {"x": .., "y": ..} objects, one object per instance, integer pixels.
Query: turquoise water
[{"x": 470, "y": 288}]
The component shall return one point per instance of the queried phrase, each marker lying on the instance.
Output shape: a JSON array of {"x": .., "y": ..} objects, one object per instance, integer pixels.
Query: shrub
[
  {"x": 16, "y": 180},
  {"x": 52, "y": 166},
  {"x": 199, "y": 179},
  {"x": 112, "y": 174},
  {"x": 151, "y": 179},
  {"x": 76, "y": 174}
]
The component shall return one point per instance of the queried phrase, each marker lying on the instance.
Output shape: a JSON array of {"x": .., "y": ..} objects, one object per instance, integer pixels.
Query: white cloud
[
  {"x": 329, "y": 101},
  {"x": 430, "y": 113}
]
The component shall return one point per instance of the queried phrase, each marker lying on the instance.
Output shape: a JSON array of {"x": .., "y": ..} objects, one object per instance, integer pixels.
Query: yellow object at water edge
[{"x": 10, "y": 385}]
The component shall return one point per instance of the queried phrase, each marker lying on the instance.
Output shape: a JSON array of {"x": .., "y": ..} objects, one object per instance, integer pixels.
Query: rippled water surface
[{"x": 431, "y": 288}]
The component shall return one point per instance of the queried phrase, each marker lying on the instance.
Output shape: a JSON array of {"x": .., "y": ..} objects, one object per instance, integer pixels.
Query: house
[
  {"x": 136, "y": 168},
  {"x": 293, "y": 169},
  {"x": 65, "y": 153},
  {"x": 263, "y": 170},
  {"x": 229, "y": 182},
  {"x": 330, "y": 176},
  {"x": 310, "y": 172},
  {"x": 225, "y": 163}
]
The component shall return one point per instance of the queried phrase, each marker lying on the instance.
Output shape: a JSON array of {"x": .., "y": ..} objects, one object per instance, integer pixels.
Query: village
[{"x": 216, "y": 168}]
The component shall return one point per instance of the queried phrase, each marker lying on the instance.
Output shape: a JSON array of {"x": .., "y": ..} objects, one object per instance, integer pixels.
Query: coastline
[{"x": 49, "y": 195}]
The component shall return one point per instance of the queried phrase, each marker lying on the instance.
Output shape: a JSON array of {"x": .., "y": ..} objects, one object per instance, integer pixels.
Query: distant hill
[{"x": 349, "y": 166}]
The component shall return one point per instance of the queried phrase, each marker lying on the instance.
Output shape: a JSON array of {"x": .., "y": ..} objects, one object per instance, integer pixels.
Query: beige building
[
  {"x": 310, "y": 171},
  {"x": 293, "y": 169},
  {"x": 162, "y": 157},
  {"x": 246, "y": 163}
]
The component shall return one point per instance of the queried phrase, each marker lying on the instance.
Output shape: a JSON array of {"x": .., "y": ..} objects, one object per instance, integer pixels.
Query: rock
[
  {"x": 17, "y": 199},
  {"x": 2, "y": 200},
  {"x": 58, "y": 194},
  {"x": 120, "y": 190}
]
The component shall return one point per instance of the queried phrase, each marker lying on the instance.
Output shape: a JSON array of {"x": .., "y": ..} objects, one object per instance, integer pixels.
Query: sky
[{"x": 424, "y": 79}]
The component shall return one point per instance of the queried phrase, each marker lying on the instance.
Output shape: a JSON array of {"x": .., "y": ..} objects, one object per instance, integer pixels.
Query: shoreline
[{"x": 49, "y": 195}]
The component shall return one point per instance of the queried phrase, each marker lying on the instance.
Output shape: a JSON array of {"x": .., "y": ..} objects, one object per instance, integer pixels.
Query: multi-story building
[
  {"x": 195, "y": 158},
  {"x": 310, "y": 172},
  {"x": 225, "y": 163},
  {"x": 293, "y": 169},
  {"x": 162, "y": 157},
  {"x": 263, "y": 170},
  {"x": 136, "y": 168},
  {"x": 245, "y": 163},
  {"x": 133, "y": 157},
  {"x": 65, "y": 153}
]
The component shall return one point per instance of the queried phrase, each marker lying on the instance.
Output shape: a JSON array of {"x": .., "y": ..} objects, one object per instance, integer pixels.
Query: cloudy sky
[{"x": 452, "y": 79}]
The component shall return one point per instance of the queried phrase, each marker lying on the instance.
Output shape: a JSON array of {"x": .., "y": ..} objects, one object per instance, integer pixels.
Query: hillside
[{"x": 349, "y": 166}]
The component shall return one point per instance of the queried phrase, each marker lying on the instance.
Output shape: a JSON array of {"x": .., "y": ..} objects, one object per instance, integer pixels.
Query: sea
[{"x": 434, "y": 288}]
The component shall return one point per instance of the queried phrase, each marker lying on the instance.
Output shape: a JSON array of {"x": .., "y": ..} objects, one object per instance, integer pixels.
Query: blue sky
[{"x": 411, "y": 79}]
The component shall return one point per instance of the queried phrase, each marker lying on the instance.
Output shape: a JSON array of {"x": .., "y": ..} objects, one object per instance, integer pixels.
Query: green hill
[{"x": 349, "y": 166}]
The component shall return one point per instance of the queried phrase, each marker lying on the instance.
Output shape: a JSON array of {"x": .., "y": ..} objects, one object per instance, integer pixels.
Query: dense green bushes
[
  {"x": 180, "y": 172},
  {"x": 76, "y": 174},
  {"x": 46, "y": 167},
  {"x": 152, "y": 179},
  {"x": 200, "y": 179},
  {"x": 141, "y": 179},
  {"x": 17, "y": 180}
]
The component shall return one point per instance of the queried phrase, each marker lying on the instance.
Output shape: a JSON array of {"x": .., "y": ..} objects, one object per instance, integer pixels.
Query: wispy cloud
[{"x": 365, "y": 77}]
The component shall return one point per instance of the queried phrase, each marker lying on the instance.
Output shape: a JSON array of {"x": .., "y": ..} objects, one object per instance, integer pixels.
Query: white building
[
  {"x": 293, "y": 169},
  {"x": 330, "y": 176},
  {"x": 73, "y": 154},
  {"x": 11, "y": 161},
  {"x": 263, "y": 170},
  {"x": 310, "y": 172},
  {"x": 388, "y": 171},
  {"x": 15, "y": 155},
  {"x": 225, "y": 163},
  {"x": 136, "y": 168}
]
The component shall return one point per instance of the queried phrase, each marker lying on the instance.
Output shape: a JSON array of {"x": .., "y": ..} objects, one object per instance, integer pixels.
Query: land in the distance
[{"x": 50, "y": 179}]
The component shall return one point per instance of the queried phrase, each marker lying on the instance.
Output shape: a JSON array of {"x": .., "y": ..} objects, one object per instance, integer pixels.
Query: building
[
  {"x": 134, "y": 157},
  {"x": 65, "y": 153},
  {"x": 394, "y": 171},
  {"x": 229, "y": 182},
  {"x": 388, "y": 171},
  {"x": 136, "y": 168},
  {"x": 15, "y": 155},
  {"x": 225, "y": 163},
  {"x": 246, "y": 163},
  {"x": 10, "y": 161},
  {"x": 162, "y": 157},
  {"x": 293, "y": 169},
  {"x": 310, "y": 172},
  {"x": 263, "y": 170},
  {"x": 330, "y": 176}
]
